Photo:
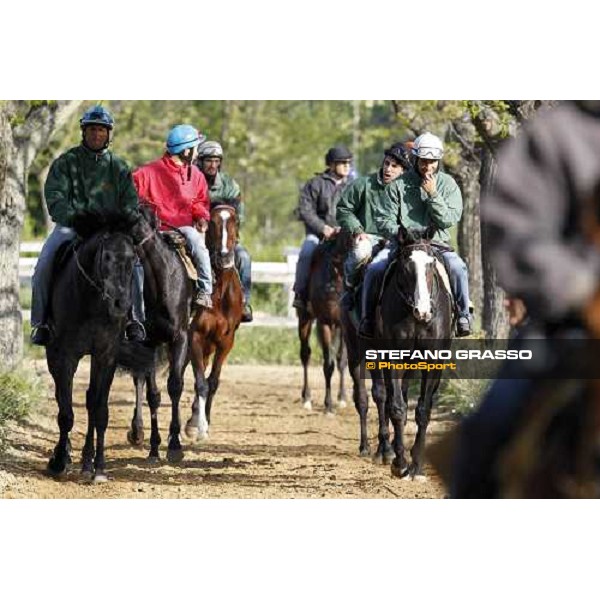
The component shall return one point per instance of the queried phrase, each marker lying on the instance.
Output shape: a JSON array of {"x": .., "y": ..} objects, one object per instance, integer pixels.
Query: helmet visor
[{"x": 430, "y": 153}]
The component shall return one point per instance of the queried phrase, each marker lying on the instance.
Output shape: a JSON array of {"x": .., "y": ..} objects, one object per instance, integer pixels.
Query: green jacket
[
  {"x": 83, "y": 182},
  {"x": 409, "y": 204},
  {"x": 359, "y": 205},
  {"x": 225, "y": 190}
]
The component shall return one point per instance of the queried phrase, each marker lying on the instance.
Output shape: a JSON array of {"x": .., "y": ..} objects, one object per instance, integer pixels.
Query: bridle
[{"x": 99, "y": 287}]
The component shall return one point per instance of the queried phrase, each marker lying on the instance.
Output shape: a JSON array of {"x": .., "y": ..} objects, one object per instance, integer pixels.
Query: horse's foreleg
[
  {"x": 62, "y": 370},
  {"x": 153, "y": 399},
  {"x": 398, "y": 408},
  {"x": 102, "y": 374},
  {"x": 196, "y": 427},
  {"x": 135, "y": 435},
  {"x": 325, "y": 338},
  {"x": 361, "y": 402},
  {"x": 384, "y": 453},
  {"x": 87, "y": 454},
  {"x": 342, "y": 365},
  {"x": 429, "y": 386},
  {"x": 304, "y": 329},
  {"x": 178, "y": 351},
  {"x": 215, "y": 372}
]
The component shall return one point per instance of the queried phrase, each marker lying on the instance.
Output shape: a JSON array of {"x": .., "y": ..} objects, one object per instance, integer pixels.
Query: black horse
[
  {"x": 324, "y": 291},
  {"x": 91, "y": 297},
  {"x": 168, "y": 293},
  {"x": 415, "y": 313},
  {"x": 384, "y": 453}
]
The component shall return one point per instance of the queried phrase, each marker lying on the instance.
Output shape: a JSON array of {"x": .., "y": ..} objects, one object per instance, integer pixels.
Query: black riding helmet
[
  {"x": 399, "y": 153},
  {"x": 337, "y": 154}
]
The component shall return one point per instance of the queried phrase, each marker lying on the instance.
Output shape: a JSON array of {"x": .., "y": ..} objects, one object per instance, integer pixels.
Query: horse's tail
[{"x": 137, "y": 358}]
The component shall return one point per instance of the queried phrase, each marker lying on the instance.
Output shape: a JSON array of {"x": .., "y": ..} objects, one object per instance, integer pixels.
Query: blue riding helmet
[
  {"x": 97, "y": 115},
  {"x": 182, "y": 137}
]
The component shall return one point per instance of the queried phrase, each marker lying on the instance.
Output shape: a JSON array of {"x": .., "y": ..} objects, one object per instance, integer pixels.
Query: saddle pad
[
  {"x": 177, "y": 242},
  {"x": 444, "y": 276}
]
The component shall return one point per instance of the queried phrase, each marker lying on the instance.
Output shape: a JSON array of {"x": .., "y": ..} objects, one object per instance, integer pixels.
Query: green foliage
[
  {"x": 462, "y": 396},
  {"x": 271, "y": 148},
  {"x": 269, "y": 298},
  {"x": 19, "y": 390},
  {"x": 270, "y": 346}
]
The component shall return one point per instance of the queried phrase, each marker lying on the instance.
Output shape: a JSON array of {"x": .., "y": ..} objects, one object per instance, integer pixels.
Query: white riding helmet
[
  {"x": 429, "y": 146},
  {"x": 210, "y": 149}
]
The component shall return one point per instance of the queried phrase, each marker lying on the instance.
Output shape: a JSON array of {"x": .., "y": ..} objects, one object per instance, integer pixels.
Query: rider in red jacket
[
  {"x": 177, "y": 200},
  {"x": 178, "y": 193}
]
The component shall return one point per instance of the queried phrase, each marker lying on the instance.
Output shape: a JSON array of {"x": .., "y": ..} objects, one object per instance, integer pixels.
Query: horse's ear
[
  {"x": 430, "y": 232},
  {"x": 403, "y": 234}
]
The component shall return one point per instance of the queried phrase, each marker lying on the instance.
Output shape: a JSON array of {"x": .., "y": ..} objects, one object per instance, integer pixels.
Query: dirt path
[{"x": 262, "y": 445}]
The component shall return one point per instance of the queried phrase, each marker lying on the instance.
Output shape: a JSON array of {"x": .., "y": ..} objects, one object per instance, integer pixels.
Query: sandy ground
[{"x": 262, "y": 444}]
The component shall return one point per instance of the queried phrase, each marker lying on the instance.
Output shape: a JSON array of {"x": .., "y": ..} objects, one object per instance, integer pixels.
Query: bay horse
[
  {"x": 90, "y": 301},
  {"x": 324, "y": 292},
  {"x": 212, "y": 331},
  {"x": 168, "y": 294},
  {"x": 415, "y": 313}
]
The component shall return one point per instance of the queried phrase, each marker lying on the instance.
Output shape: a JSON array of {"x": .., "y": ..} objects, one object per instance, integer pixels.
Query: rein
[{"x": 105, "y": 295}]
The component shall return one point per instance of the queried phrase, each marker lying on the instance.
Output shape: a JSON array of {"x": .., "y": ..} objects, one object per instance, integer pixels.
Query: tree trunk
[
  {"x": 19, "y": 143},
  {"x": 12, "y": 208},
  {"x": 494, "y": 316}
]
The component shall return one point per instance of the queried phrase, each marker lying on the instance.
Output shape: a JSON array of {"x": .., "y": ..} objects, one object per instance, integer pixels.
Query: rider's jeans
[
  {"x": 42, "y": 275},
  {"x": 244, "y": 267},
  {"x": 459, "y": 280},
  {"x": 303, "y": 266},
  {"x": 373, "y": 278},
  {"x": 200, "y": 258}
]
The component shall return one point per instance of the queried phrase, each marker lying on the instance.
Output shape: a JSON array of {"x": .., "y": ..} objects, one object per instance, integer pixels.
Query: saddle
[{"x": 178, "y": 243}]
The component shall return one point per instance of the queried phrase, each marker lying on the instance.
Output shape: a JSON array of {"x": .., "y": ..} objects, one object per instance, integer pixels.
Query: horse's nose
[{"x": 422, "y": 316}]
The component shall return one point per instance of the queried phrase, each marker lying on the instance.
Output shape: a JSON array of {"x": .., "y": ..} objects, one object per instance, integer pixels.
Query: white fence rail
[{"x": 282, "y": 273}]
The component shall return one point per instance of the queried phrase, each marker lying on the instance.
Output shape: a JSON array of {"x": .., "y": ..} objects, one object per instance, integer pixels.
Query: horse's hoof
[
  {"x": 420, "y": 478},
  {"x": 399, "y": 471},
  {"x": 342, "y": 404},
  {"x": 191, "y": 431},
  {"x": 87, "y": 476},
  {"x": 378, "y": 459},
  {"x": 153, "y": 460},
  {"x": 135, "y": 440},
  {"x": 365, "y": 452},
  {"x": 329, "y": 412},
  {"x": 100, "y": 477},
  {"x": 57, "y": 469},
  {"x": 174, "y": 455},
  {"x": 388, "y": 457},
  {"x": 196, "y": 434},
  {"x": 307, "y": 405}
]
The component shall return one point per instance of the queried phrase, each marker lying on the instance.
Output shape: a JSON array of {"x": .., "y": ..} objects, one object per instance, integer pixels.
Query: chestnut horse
[
  {"x": 324, "y": 291},
  {"x": 213, "y": 330}
]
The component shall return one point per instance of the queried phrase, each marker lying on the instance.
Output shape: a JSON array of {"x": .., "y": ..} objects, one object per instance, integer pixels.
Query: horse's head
[
  {"x": 111, "y": 271},
  {"x": 146, "y": 226},
  {"x": 417, "y": 271},
  {"x": 222, "y": 236}
]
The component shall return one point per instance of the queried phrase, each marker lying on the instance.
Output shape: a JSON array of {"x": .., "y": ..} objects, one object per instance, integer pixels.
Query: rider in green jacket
[
  {"x": 423, "y": 198},
  {"x": 358, "y": 211},
  {"x": 87, "y": 187},
  {"x": 224, "y": 189}
]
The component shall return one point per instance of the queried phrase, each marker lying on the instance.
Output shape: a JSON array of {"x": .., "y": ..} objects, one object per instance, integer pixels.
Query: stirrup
[
  {"x": 203, "y": 299},
  {"x": 135, "y": 331}
]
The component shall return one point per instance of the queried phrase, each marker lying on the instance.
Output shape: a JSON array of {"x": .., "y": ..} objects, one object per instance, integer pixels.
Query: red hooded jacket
[{"x": 164, "y": 185}]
